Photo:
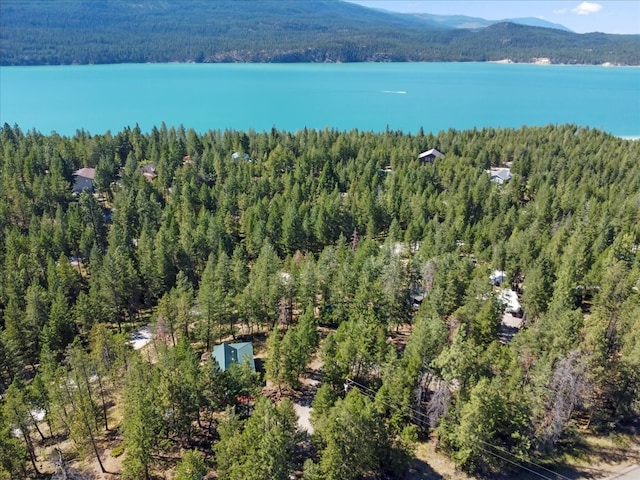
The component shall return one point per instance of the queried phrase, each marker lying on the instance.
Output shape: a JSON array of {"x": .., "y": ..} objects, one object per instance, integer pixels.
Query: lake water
[{"x": 366, "y": 96}]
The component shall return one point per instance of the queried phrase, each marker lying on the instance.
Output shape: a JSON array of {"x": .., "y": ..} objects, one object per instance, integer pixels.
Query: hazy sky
[{"x": 581, "y": 17}]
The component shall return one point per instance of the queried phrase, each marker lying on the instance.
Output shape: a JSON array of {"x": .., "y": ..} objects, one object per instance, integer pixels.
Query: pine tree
[
  {"x": 142, "y": 419},
  {"x": 84, "y": 418},
  {"x": 190, "y": 467},
  {"x": 13, "y": 455},
  {"x": 17, "y": 414},
  {"x": 274, "y": 367},
  {"x": 353, "y": 438},
  {"x": 264, "y": 449}
]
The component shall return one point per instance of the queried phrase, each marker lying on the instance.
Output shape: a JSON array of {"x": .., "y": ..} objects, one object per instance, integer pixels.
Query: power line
[
  {"x": 372, "y": 394},
  {"x": 514, "y": 463},
  {"x": 525, "y": 460}
]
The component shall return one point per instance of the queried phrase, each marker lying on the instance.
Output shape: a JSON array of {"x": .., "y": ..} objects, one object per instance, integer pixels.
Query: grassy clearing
[
  {"x": 432, "y": 465},
  {"x": 590, "y": 457}
]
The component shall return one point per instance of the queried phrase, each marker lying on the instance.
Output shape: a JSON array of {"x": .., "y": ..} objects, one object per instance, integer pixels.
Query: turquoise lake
[{"x": 369, "y": 96}]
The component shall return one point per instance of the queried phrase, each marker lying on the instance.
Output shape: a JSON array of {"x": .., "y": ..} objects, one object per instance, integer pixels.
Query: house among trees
[
  {"x": 227, "y": 354},
  {"x": 430, "y": 155},
  {"x": 148, "y": 171},
  {"x": 499, "y": 175},
  {"x": 238, "y": 155},
  {"x": 497, "y": 277},
  {"x": 83, "y": 180},
  {"x": 510, "y": 300}
]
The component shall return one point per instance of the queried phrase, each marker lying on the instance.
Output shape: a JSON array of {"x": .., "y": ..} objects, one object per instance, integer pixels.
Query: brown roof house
[
  {"x": 83, "y": 180},
  {"x": 148, "y": 171}
]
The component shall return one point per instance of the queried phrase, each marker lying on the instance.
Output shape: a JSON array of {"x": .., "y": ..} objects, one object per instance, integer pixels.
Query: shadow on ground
[
  {"x": 421, "y": 470},
  {"x": 601, "y": 457}
]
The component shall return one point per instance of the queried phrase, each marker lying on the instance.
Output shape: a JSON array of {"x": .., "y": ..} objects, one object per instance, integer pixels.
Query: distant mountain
[
  {"x": 477, "y": 23},
  {"x": 537, "y": 22},
  {"x": 46, "y": 32}
]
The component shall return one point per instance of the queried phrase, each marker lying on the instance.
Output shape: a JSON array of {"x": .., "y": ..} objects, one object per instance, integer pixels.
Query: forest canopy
[
  {"x": 229, "y": 234},
  {"x": 60, "y": 32}
]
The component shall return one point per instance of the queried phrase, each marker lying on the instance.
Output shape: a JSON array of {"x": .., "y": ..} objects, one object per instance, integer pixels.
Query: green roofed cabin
[{"x": 228, "y": 353}]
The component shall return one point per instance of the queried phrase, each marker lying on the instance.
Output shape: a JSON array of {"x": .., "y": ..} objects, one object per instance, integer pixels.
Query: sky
[{"x": 606, "y": 16}]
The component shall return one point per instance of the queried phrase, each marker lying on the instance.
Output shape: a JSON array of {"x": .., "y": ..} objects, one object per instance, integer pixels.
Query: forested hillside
[
  {"x": 336, "y": 246},
  {"x": 52, "y": 32}
]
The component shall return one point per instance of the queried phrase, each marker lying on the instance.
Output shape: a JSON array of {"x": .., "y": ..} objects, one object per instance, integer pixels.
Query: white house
[
  {"x": 510, "y": 300},
  {"x": 500, "y": 175},
  {"x": 430, "y": 155},
  {"x": 238, "y": 156},
  {"x": 497, "y": 277}
]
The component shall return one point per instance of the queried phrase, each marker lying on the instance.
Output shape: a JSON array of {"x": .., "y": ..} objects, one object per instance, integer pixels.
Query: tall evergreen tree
[{"x": 142, "y": 419}]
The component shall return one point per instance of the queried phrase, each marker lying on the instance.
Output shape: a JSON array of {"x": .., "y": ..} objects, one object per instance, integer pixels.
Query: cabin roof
[
  {"x": 227, "y": 354},
  {"x": 431, "y": 153}
]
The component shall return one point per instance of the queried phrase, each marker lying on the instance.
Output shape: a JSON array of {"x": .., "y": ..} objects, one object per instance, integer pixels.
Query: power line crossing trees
[{"x": 262, "y": 448}]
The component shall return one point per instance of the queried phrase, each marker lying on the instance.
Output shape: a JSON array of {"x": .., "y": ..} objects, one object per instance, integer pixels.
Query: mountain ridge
[
  {"x": 56, "y": 32},
  {"x": 476, "y": 23}
]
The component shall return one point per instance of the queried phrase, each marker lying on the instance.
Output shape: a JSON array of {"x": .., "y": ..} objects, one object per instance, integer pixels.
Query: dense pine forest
[
  {"x": 342, "y": 256},
  {"x": 61, "y": 32}
]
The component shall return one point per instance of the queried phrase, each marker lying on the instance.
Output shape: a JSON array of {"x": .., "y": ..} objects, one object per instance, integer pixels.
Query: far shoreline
[{"x": 542, "y": 61}]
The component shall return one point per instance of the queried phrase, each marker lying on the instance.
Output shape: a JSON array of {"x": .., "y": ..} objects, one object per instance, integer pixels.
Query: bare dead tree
[
  {"x": 568, "y": 388},
  {"x": 61, "y": 468},
  {"x": 422, "y": 390},
  {"x": 432, "y": 398},
  {"x": 428, "y": 274},
  {"x": 63, "y": 471},
  {"x": 438, "y": 403}
]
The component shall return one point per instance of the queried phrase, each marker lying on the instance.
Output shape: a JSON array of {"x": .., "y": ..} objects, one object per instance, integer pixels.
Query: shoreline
[
  {"x": 547, "y": 62},
  {"x": 544, "y": 61}
]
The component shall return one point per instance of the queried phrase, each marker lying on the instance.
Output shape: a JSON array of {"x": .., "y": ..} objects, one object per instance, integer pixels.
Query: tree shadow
[
  {"x": 593, "y": 462},
  {"x": 507, "y": 333},
  {"x": 259, "y": 363},
  {"x": 419, "y": 469}
]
